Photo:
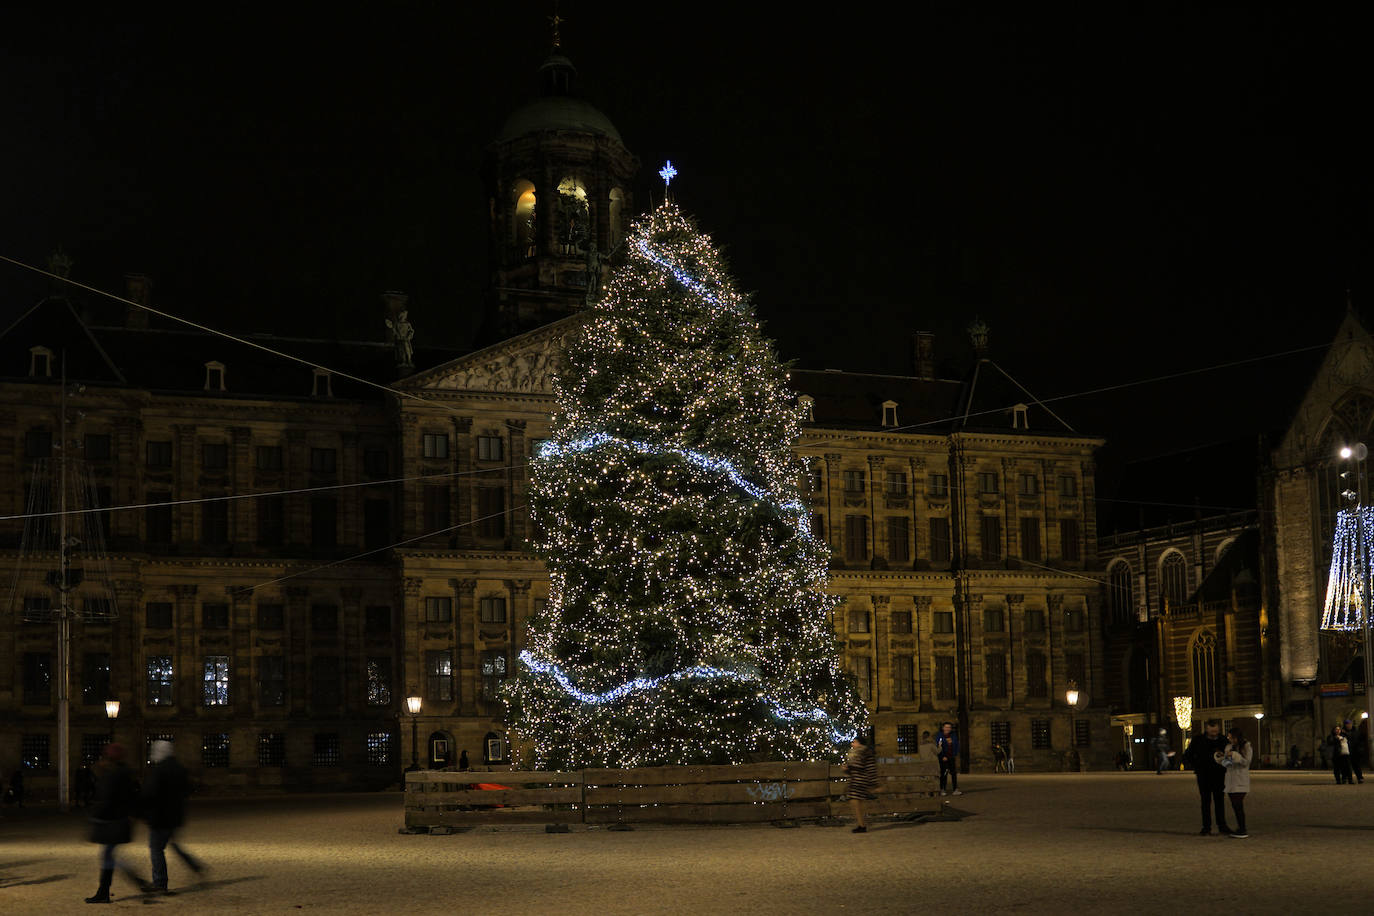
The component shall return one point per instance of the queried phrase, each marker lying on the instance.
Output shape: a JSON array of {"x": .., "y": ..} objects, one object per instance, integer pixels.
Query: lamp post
[
  {"x": 1071, "y": 697},
  {"x": 413, "y": 706},
  {"x": 1259, "y": 745}
]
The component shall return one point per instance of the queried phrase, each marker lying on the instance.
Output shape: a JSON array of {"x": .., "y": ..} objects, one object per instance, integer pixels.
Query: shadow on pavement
[
  {"x": 4, "y": 883},
  {"x": 1140, "y": 830},
  {"x": 1340, "y": 826}
]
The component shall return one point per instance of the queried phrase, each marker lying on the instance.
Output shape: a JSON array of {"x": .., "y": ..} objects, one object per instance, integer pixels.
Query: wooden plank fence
[{"x": 750, "y": 792}]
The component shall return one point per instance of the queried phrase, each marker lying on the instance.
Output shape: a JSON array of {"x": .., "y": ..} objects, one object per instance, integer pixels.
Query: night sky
[{"x": 1120, "y": 196}]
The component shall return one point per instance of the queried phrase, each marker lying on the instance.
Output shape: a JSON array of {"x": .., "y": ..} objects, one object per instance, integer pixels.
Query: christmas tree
[{"x": 686, "y": 620}]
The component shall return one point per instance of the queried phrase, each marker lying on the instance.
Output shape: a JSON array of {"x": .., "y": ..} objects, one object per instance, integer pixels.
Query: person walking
[
  {"x": 1162, "y": 751},
  {"x": 947, "y": 750},
  {"x": 165, "y": 789},
  {"x": 861, "y": 766},
  {"x": 115, "y": 796},
  {"x": 1211, "y": 775},
  {"x": 1340, "y": 756},
  {"x": 1356, "y": 741},
  {"x": 1236, "y": 759}
]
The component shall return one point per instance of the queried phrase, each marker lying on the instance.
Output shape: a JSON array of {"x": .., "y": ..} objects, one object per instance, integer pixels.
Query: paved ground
[{"x": 1099, "y": 843}]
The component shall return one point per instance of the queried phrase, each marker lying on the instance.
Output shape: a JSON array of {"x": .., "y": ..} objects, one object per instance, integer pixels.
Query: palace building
[{"x": 280, "y": 540}]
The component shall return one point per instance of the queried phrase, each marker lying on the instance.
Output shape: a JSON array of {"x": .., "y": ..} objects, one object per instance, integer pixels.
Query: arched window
[
  {"x": 1205, "y": 670},
  {"x": 522, "y": 226},
  {"x": 1173, "y": 581},
  {"x": 1120, "y": 592},
  {"x": 574, "y": 216}
]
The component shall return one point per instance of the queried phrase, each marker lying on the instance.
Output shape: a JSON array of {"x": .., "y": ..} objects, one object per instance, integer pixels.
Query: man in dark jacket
[
  {"x": 1211, "y": 776},
  {"x": 165, "y": 788},
  {"x": 115, "y": 795},
  {"x": 947, "y": 750}
]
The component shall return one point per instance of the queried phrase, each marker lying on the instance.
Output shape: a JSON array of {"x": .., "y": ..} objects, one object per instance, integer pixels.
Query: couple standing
[{"x": 1221, "y": 764}]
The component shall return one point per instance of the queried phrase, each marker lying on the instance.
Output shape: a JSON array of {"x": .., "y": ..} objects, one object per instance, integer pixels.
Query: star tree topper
[{"x": 667, "y": 173}]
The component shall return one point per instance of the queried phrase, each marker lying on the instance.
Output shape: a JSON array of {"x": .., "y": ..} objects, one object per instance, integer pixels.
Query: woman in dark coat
[
  {"x": 115, "y": 796},
  {"x": 861, "y": 766}
]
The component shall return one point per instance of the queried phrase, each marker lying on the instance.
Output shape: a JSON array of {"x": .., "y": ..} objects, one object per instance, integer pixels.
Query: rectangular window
[
  {"x": 862, "y": 666},
  {"x": 157, "y": 615},
  {"x": 272, "y": 749},
  {"x": 899, "y": 539},
  {"x": 816, "y": 475},
  {"x": 1036, "y": 684},
  {"x": 97, "y": 609},
  {"x": 1068, "y": 486},
  {"x": 995, "y": 674},
  {"x": 376, "y": 524},
  {"x": 324, "y": 460},
  {"x": 900, "y": 622},
  {"x": 214, "y": 522},
  {"x": 324, "y": 521},
  {"x": 38, "y": 443},
  {"x": 214, "y": 749},
  {"x": 269, "y": 457},
  {"x": 1030, "y": 539},
  {"x": 436, "y": 508},
  {"x": 376, "y": 462},
  {"x": 37, "y": 609},
  {"x": 438, "y": 610},
  {"x": 1068, "y": 539},
  {"x": 93, "y": 747},
  {"x": 858, "y": 620},
  {"x": 159, "y": 518},
  {"x": 324, "y": 618},
  {"x": 493, "y": 610},
  {"x": 37, "y": 678},
  {"x": 97, "y": 447},
  {"x": 1082, "y": 733},
  {"x": 1035, "y": 620},
  {"x": 271, "y": 617},
  {"x": 439, "y": 674},
  {"x": 1040, "y": 734},
  {"x": 1076, "y": 668},
  {"x": 377, "y": 618},
  {"x": 378, "y": 747},
  {"x": 853, "y": 482},
  {"x": 324, "y": 683},
  {"x": 271, "y": 520},
  {"x": 987, "y": 483},
  {"x": 1027, "y": 485},
  {"x": 1001, "y": 734},
  {"x": 95, "y": 678},
  {"x": 491, "y": 510},
  {"x": 903, "y": 677},
  {"x": 489, "y": 448},
  {"x": 855, "y": 538},
  {"x": 938, "y": 486},
  {"x": 326, "y": 750},
  {"x": 214, "y": 456},
  {"x": 991, "y": 529},
  {"x": 994, "y": 620},
  {"x": 944, "y": 677},
  {"x": 435, "y": 445},
  {"x": 158, "y": 454},
  {"x": 493, "y": 673},
  {"x": 939, "y": 540},
  {"x": 158, "y": 680},
  {"x": 215, "y": 683},
  {"x": 896, "y": 484},
  {"x": 33, "y": 752},
  {"x": 379, "y": 681},
  {"x": 908, "y": 738},
  {"x": 214, "y": 616},
  {"x": 1073, "y": 620},
  {"x": 943, "y": 622},
  {"x": 271, "y": 680}
]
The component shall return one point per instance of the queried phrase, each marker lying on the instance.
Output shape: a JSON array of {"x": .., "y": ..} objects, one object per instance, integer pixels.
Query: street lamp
[
  {"x": 413, "y": 705},
  {"x": 1071, "y": 695},
  {"x": 1259, "y": 745},
  {"x": 112, "y": 709},
  {"x": 1183, "y": 715}
]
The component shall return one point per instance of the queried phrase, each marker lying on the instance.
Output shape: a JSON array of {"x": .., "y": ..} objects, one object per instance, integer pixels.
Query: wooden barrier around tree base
[{"x": 750, "y": 792}]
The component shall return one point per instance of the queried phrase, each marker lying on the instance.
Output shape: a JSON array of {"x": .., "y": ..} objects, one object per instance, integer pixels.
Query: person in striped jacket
[{"x": 861, "y": 766}]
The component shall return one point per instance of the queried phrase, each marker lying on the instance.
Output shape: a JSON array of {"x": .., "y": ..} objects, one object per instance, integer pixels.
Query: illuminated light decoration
[
  {"x": 1348, "y": 587},
  {"x": 667, "y": 173},
  {"x": 649, "y": 683},
  {"x": 681, "y": 276}
]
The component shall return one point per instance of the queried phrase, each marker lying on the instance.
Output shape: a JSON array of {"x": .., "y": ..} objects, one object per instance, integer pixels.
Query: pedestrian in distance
[
  {"x": 947, "y": 750},
  {"x": 463, "y": 764},
  {"x": 115, "y": 798},
  {"x": 1163, "y": 752},
  {"x": 1340, "y": 756},
  {"x": 861, "y": 766},
  {"x": 1211, "y": 775},
  {"x": 1236, "y": 759},
  {"x": 166, "y": 787},
  {"x": 1356, "y": 741}
]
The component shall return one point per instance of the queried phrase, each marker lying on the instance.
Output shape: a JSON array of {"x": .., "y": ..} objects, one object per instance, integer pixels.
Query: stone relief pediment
[{"x": 524, "y": 368}]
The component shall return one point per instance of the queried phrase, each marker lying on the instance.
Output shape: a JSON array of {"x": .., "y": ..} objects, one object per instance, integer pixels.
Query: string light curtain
[
  {"x": 1347, "y": 588},
  {"x": 687, "y": 621}
]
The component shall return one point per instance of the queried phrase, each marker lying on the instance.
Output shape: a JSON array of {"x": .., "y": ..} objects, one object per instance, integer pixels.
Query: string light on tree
[{"x": 687, "y": 620}]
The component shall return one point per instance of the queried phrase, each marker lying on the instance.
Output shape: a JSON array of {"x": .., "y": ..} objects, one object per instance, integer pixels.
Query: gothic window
[
  {"x": 1121, "y": 591},
  {"x": 1173, "y": 580},
  {"x": 1205, "y": 670}
]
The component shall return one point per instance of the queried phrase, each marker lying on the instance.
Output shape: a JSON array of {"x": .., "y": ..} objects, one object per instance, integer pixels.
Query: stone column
[
  {"x": 834, "y": 505},
  {"x": 516, "y": 478},
  {"x": 883, "y": 687},
  {"x": 187, "y": 664},
  {"x": 351, "y": 662},
  {"x": 350, "y": 523},
  {"x": 243, "y": 516},
  {"x": 1054, "y": 649},
  {"x": 1016, "y": 642},
  {"x": 128, "y": 464},
  {"x": 297, "y": 649},
  {"x": 297, "y": 523},
  {"x": 187, "y": 462},
  {"x": 241, "y": 660},
  {"x": 875, "y": 484},
  {"x": 464, "y": 492},
  {"x": 465, "y": 616},
  {"x": 925, "y": 666}
]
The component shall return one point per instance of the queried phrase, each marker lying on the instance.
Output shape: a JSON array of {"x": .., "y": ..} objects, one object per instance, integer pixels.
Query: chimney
[
  {"x": 923, "y": 355},
  {"x": 137, "y": 288}
]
